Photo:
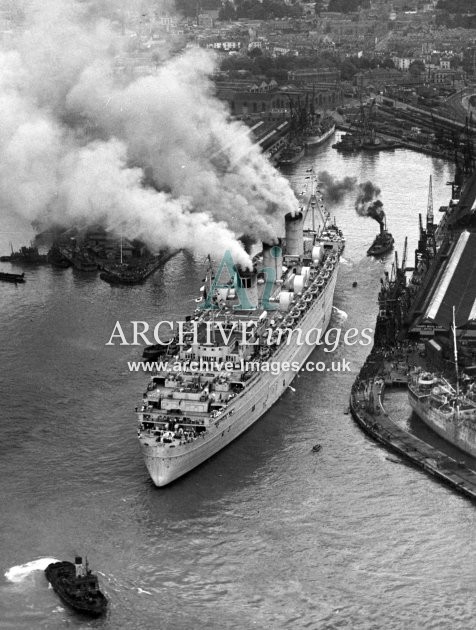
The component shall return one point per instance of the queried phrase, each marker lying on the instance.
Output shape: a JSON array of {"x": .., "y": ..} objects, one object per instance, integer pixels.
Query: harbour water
[{"x": 267, "y": 534}]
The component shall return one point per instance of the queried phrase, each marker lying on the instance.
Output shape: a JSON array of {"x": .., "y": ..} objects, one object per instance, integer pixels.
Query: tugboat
[
  {"x": 77, "y": 586},
  {"x": 383, "y": 242}
]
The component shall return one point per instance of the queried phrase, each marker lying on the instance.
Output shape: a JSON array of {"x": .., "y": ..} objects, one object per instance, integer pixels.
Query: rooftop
[{"x": 456, "y": 286}]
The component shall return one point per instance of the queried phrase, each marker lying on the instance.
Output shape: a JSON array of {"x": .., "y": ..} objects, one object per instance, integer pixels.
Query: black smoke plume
[
  {"x": 367, "y": 204},
  {"x": 335, "y": 189},
  {"x": 375, "y": 211}
]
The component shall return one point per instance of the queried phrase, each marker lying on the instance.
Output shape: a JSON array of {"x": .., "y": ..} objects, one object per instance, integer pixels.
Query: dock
[{"x": 367, "y": 408}]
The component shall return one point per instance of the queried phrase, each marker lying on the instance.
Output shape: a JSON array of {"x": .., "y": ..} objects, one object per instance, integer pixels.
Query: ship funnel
[
  {"x": 273, "y": 259},
  {"x": 78, "y": 565},
  {"x": 246, "y": 283},
  {"x": 294, "y": 234}
]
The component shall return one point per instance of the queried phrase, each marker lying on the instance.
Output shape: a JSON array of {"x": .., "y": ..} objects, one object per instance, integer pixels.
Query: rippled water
[{"x": 267, "y": 534}]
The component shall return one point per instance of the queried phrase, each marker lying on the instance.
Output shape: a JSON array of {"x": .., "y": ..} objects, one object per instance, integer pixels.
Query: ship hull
[
  {"x": 316, "y": 140},
  {"x": 263, "y": 390},
  {"x": 293, "y": 159},
  {"x": 379, "y": 251},
  {"x": 61, "y": 577},
  {"x": 460, "y": 433}
]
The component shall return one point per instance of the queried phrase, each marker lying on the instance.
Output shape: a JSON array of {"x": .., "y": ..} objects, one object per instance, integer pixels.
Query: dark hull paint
[{"x": 61, "y": 576}]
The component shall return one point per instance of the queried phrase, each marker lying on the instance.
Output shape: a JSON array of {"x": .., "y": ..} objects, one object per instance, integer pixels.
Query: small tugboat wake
[{"x": 77, "y": 586}]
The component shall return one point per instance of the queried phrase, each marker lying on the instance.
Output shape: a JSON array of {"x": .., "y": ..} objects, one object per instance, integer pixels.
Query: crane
[
  {"x": 404, "y": 257},
  {"x": 430, "y": 225}
]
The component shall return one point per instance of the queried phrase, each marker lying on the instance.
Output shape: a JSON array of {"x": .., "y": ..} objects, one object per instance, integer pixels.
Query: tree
[
  {"x": 319, "y": 7},
  {"x": 347, "y": 70},
  {"x": 388, "y": 63},
  {"x": 255, "y": 52},
  {"x": 347, "y": 6},
  {"x": 416, "y": 68},
  {"x": 227, "y": 12}
]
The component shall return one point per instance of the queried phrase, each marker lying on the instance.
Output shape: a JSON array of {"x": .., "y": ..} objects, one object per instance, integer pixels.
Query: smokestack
[
  {"x": 248, "y": 280},
  {"x": 273, "y": 258},
  {"x": 294, "y": 233},
  {"x": 78, "y": 565}
]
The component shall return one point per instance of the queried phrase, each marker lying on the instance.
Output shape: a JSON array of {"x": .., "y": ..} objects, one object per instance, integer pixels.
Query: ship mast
[
  {"x": 456, "y": 362},
  {"x": 453, "y": 328},
  {"x": 312, "y": 199}
]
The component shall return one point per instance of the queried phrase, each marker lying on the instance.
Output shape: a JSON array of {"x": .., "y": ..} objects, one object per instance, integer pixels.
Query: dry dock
[{"x": 367, "y": 408}]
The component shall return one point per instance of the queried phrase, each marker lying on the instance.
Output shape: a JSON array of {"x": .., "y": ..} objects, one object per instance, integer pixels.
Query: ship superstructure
[
  {"x": 449, "y": 411},
  {"x": 220, "y": 379},
  {"x": 446, "y": 411}
]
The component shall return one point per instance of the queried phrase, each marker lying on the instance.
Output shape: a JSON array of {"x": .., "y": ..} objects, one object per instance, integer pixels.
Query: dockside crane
[
  {"x": 430, "y": 223},
  {"x": 405, "y": 253}
]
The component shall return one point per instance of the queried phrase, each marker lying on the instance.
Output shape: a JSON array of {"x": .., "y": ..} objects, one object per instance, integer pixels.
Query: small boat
[
  {"x": 394, "y": 461},
  {"x": 77, "y": 586},
  {"x": 12, "y": 277},
  {"x": 316, "y": 448}
]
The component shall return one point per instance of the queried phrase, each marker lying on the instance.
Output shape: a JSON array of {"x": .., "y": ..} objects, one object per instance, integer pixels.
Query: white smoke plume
[{"x": 155, "y": 155}]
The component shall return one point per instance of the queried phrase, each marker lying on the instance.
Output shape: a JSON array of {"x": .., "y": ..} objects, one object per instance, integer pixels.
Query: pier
[{"x": 367, "y": 408}]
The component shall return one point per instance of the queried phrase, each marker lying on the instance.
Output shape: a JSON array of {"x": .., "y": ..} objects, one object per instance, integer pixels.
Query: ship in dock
[
  {"x": 447, "y": 410},
  {"x": 133, "y": 271},
  {"x": 219, "y": 381},
  {"x": 444, "y": 408},
  {"x": 318, "y": 130},
  {"x": 28, "y": 255},
  {"x": 292, "y": 153}
]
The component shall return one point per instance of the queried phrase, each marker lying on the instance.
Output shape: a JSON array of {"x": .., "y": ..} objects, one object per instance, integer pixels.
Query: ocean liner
[{"x": 188, "y": 415}]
